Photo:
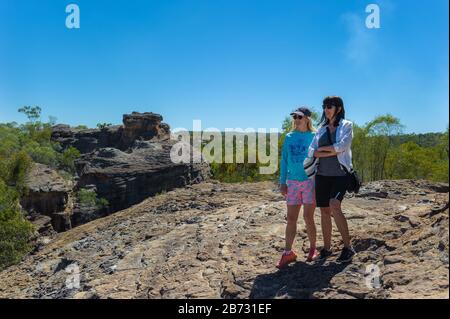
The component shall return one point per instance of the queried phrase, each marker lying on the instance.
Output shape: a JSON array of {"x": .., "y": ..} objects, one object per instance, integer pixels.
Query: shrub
[
  {"x": 89, "y": 197},
  {"x": 67, "y": 158},
  {"x": 15, "y": 230}
]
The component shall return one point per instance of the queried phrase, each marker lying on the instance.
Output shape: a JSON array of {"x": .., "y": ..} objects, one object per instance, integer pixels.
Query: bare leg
[
  {"x": 308, "y": 215},
  {"x": 340, "y": 220},
  {"x": 326, "y": 226},
  {"x": 291, "y": 227}
]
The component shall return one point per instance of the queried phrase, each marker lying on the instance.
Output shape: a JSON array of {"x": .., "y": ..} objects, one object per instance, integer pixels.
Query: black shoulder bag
[{"x": 354, "y": 182}]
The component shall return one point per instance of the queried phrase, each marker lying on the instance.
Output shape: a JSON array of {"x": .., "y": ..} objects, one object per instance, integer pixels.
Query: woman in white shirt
[{"x": 332, "y": 146}]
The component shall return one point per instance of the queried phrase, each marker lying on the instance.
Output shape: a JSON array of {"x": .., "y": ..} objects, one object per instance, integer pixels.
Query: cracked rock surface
[{"x": 215, "y": 240}]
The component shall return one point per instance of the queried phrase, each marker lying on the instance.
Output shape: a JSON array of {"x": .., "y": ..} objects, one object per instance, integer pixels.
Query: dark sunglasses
[
  {"x": 295, "y": 117},
  {"x": 329, "y": 106}
]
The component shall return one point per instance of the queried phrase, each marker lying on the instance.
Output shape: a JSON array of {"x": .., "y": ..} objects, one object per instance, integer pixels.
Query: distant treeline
[
  {"x": 380, "y": 151},
  {"x": 423, "y": 140}
]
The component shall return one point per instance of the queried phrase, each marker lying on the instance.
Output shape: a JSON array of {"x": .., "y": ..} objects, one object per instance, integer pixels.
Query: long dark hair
[{"x": 338, "y": 103}]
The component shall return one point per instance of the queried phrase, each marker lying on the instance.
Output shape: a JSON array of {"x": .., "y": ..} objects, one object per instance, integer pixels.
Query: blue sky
[{"x": 229, "y": 63}]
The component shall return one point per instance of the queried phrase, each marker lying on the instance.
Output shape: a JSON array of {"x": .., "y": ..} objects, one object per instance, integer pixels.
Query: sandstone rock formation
[
  {"x": 48, "y": 195},
  {"x": 86, "y": 140},
  {"x": 126, "y": 163},
  {"x": 146, "y": 126},
  {"x": 125, "y": 179},
  {"x": 213, "y": 240}
]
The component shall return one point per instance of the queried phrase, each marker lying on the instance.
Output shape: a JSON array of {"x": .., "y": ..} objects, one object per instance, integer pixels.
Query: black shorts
[{"x": 329, "y": 187}]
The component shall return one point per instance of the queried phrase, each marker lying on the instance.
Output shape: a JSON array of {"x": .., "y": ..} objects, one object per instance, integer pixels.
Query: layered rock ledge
[
  {"x": 213, "y": 240},
  {"x": 123, "y": 164}
]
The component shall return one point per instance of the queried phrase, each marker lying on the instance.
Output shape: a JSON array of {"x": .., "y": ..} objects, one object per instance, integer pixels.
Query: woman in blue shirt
[{"x": 295, "y": 185}]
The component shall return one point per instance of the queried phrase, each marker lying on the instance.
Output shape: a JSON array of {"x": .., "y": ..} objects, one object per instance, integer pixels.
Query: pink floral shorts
[{"x": 300, "y": 193}]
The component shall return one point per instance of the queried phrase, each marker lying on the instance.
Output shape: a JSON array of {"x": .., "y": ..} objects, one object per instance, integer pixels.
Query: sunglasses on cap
[{"x": 329, "y": 106}]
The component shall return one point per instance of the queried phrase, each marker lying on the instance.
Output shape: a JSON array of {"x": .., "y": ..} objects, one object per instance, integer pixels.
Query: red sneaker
[
  {"x": 313, "y": 255},
  {"x": 286, "y": 259}
]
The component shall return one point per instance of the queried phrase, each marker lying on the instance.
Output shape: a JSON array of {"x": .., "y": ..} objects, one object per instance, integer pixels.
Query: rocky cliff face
[
  {"x": 125, "y": 179},
  {"x": 48, "y": 195},
  {"x": 86, "y": 140},
  {"x": 136, "y": 126},
  {"x": 124, "y": 164},
  {"x": 223, "y": 240}
]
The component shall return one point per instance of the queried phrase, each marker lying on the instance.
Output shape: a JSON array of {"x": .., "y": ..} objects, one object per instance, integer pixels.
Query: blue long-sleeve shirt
[{"x": 294, "y": 152}]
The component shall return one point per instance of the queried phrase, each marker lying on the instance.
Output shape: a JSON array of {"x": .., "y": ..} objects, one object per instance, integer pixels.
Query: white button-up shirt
[{"x": 344, "y": 136}]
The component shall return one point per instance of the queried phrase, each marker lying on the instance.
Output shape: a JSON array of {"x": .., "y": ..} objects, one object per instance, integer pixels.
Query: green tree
[
  {"x": 33, "y": 113},
  {"x": 415, "y": 162},
  {"x": 67, "y": 159},
  {"x": 15, "y": 169},
  {"x": 443, "y": 144},
  {"x": 360, "y": 150},
  {"x": 382, "y": 128},
  {"x": 89, "y": 197},
  {"x": 15, "y": 230},
  {"x": 371, "y": 145}
]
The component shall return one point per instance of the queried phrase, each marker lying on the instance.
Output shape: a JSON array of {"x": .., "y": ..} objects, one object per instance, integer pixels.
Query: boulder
[
  {"x": 144, "y": 126},
  {"x": 48, "y": 194}
]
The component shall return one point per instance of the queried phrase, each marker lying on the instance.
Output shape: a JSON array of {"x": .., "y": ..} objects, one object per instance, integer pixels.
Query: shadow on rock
[{"x": 299, "y": 280}]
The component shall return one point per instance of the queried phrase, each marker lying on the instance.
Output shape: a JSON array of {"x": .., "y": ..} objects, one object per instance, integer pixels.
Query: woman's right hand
[{"x": 283, "y": 189}]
